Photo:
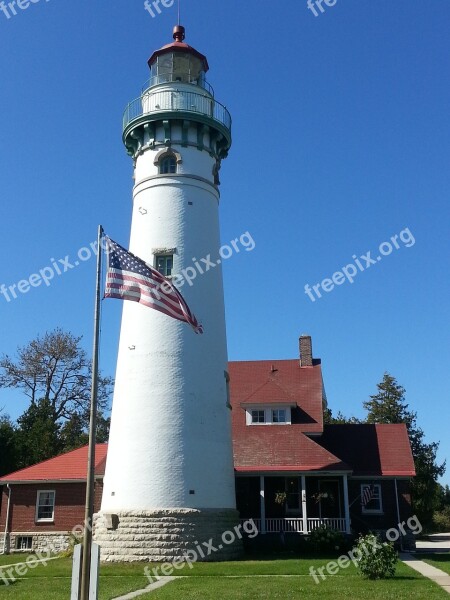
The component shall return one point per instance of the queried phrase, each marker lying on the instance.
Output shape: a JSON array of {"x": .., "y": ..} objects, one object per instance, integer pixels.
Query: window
[
  {"x": 258, "y": 416},
  {"x": 168, "y": 164},
  {"x": 279, "y": 415},
  {"x": 261, "y": 415},
  {"x": 371, "y": 500},
  {"x": 164, "y": 264},
  {"x": 45, "y": 506},
  {"x": 24, "y": 543}
]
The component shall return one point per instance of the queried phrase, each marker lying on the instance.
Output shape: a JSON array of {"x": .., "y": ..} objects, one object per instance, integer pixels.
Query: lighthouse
[{"x": 169, "y": 480}]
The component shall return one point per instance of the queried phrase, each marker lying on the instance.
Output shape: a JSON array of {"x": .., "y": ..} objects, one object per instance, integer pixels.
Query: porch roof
[
  {"x": 283, "y": 448},
  {"x": 372, "y": 450}
]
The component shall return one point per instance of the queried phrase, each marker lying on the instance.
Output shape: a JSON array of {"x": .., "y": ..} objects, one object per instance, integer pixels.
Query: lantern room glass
[{"x": 178, "y": 66}]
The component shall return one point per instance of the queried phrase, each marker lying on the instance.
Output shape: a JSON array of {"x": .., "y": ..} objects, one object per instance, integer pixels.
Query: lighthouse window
[
  {"x": 168, "y": 164},
  {"x": 164, "y": 264}
]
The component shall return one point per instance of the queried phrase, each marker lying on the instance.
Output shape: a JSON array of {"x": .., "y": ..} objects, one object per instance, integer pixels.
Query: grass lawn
[
  {"x": 286, "y": 578},
  {"x": 52, "y": 582},
  {"x": 440, "y": 561}
]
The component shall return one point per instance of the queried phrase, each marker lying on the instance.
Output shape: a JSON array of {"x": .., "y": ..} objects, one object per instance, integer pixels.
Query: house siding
[
  {"x": 363, "y": 522},
  {"x": 69, "y": 514}
]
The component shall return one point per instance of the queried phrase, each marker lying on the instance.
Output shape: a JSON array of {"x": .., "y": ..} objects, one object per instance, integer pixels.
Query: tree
[
  {"x": 55, "y": 369},
  {"x": 339, "y": 419},
  {"x": 8, "y": 441},
  {"x": 38, "y": 434},
  {"x": 74, "y": 434},
  {"x": 389, "y": 406}
]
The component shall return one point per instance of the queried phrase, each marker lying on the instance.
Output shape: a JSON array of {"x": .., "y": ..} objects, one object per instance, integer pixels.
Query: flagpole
[{"x": 90, "y": 483}]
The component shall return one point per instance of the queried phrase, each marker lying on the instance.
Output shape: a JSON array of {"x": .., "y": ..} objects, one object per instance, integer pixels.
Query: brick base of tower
[{"x": 168, "y": 534}]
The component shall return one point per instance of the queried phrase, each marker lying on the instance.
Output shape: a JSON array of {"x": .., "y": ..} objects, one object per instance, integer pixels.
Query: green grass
[
  {"x": 285, "y": 578},
  {"x": 52, "y": 582},
  {"x": 440, "y": 561},
  {"x": 290, "y": 580}
]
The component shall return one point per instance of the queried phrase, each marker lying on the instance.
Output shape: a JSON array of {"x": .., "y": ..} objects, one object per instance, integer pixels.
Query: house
[
  {"x": 349, "y": 477},
  {"x": 41, "y": 505},
  {"x": 352, "y": 478}
]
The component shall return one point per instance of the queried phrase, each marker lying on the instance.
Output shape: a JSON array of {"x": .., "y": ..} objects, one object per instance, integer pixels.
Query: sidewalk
[
  {"x": 437, "y": 542},
  {"x": 153, "y": 586},
  {"x": 427, "y": 570}
]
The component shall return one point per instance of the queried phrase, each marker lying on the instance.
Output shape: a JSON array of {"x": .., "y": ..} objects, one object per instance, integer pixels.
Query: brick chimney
[{"x": 305, "y": 343}]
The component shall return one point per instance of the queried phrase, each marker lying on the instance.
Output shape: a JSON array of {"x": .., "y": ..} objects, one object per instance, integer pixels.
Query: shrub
[
  {"x": 73, "y": 541},
  {"x": 375, "y": 559},
  {"x": 324, "y": 539},
  {"x": 441, "y": 520}
]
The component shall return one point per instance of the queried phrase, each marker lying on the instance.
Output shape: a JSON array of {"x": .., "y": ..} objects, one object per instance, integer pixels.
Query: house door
[{"x": 330, "y": 499}]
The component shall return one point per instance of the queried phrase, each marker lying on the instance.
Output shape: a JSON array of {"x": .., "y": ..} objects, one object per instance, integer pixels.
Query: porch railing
[{"x": 296, "y": 525}]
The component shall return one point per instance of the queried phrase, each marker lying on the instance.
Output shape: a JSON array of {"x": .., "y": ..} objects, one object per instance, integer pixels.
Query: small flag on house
[
  {"x": 367, "y": 494},
  {"x": 130, "y": 278}
]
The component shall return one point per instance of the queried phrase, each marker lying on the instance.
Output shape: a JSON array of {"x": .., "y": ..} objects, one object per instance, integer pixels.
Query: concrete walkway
[
  {"x": 153, "y": 586},
  {"x": 437, "y": 542},
  {"x": 427, "y": 570}
]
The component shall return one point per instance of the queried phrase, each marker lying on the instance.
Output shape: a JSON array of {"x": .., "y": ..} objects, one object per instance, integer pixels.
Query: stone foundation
[
  {"x": 166, "y": 535},
  {"x": 54, "y": 542}
]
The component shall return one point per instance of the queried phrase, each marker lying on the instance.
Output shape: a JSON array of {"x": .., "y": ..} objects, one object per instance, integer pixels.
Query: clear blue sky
[{"x": 341, "y": 141}]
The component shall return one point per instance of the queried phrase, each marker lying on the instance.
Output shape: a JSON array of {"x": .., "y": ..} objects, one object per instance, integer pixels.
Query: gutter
[{"x": 7, "y": 518}]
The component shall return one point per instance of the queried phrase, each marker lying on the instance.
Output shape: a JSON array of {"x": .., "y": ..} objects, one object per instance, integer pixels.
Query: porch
[
  {"x": 294, "y": 503},
  {"x": 297, "y": 525}
]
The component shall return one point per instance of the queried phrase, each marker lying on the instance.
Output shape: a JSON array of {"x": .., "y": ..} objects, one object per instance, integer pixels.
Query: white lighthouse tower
[{"x": 169, "y": 481}]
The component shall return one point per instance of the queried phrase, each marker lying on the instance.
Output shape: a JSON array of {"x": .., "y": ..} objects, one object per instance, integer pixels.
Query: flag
[
  {"x": 130, "y": 278},
  {"x": 367, "y": 494}
]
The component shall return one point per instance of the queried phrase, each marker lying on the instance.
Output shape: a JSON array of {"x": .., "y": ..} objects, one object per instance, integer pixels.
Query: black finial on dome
[{"x": 179, "y": 33}]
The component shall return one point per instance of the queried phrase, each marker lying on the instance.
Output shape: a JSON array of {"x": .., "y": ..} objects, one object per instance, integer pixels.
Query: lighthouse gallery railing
[{"x": 176, "y": 100}]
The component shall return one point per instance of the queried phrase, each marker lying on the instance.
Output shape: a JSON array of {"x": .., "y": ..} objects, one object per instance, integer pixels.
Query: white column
[
  {"x": 346, "y": 505},
  {"x": 263, "y": 504},
  {"x": 304, "y": 509}
]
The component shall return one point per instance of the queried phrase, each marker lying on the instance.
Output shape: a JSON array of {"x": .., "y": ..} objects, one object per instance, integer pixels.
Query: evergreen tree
[
  {"x": 38, "y": 434},
  {"x": 389, "y": 406},
  {"x": 339, "y": 419},
  {"x": 8, "y": 446}
]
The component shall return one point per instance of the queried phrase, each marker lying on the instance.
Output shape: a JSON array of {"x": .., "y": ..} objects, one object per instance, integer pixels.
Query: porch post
[
  {"x": 304, "y": 510},
  {"x": 263, "y": 504},
  {"x": 346, "y": 505}
]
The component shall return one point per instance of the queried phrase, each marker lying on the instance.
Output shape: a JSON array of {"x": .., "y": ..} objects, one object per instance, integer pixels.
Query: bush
[
  {"x": 324, "y": 539},
  {"x": 376, "y": 559},
  {"x": 441, "y": 520},
  {"x": 73, "y": 541}
]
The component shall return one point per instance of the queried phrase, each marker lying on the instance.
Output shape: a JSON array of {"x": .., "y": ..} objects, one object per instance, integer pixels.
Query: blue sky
[{"x": 341, "y": 141}]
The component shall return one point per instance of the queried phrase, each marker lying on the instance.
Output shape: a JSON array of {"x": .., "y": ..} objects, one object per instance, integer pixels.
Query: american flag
[
  {"x": 130, "y": 278},
  {"x": 367, "y": 494}
]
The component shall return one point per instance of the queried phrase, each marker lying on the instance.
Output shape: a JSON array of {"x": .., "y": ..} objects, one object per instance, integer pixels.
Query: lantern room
[{"x": 178, "y": 62}]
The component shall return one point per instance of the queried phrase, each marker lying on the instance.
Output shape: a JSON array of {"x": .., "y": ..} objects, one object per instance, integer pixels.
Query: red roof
[
  {"x": 71, "y": 466},
  {"x": 275, "y": 382},
  {"x": 366, "y": 450},
  {"x": 281, "y": 448},
  {"x": 372, "y": 449}
]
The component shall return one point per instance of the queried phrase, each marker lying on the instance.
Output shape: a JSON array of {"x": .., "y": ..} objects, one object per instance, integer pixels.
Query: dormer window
[
  {"x": 268, "y": 415},
  {"x": 279, "y": 415},
  {"x": 258, "y": 416}
]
